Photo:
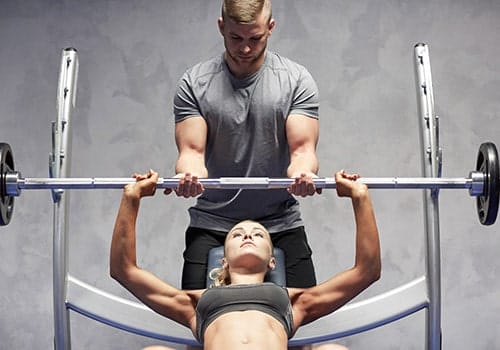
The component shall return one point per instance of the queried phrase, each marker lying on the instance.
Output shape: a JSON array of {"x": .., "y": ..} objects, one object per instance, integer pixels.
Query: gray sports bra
[{"x": 266, "y": 297}]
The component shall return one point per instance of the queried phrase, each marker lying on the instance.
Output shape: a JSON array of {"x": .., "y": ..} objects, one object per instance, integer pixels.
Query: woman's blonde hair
[
  {"x": 245, "y": 11},
  {"x": 220, "y": 277}
]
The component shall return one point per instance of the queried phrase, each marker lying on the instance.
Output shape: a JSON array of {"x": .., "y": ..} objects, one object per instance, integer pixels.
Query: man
[
  {"x": 250, "y": 112},
  {"x": 247, "y": 113}
]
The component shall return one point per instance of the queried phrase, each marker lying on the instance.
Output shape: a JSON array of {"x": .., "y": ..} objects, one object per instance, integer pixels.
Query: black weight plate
[
  {"x": 487, "y": 163},
  {"x": 6, "y": 202}
]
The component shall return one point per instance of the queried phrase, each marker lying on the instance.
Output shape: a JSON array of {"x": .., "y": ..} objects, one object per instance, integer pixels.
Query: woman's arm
[
  {"x": 158, "y": 295},
  {"x": 313, "y": 303}
]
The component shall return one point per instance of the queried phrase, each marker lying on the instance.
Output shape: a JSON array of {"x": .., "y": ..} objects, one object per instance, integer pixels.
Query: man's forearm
[
  {"x": 191, "y": 163},
  {"x": 303, "y": 162}
]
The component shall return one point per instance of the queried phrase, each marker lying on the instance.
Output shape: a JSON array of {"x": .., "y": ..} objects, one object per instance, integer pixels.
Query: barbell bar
[
  {"x": 14, "y": 183},
  {"x": 483, "y": 183}
]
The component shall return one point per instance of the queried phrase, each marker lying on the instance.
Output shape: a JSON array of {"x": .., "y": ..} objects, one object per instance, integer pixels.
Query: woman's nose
[{"x": 248, "y": 236}]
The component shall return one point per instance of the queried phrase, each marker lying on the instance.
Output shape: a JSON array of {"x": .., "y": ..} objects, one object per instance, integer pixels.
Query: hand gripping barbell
[{"x": 483, "y": 183}]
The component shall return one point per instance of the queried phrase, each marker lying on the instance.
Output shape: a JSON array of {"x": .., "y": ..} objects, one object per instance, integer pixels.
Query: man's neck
[{"x": 242, "y": 72}]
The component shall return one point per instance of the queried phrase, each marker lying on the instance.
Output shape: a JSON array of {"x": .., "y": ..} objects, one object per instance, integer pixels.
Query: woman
[{"x": 270, "y": 314}]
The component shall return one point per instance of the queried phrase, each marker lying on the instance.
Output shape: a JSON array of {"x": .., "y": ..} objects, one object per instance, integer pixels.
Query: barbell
[{"x": 483, "y": 183}]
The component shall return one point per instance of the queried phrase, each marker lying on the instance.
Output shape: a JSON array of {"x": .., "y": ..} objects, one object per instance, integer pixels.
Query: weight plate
[
  {"x": 487, "y": 163},
  {"x": 6, "y": 202}
]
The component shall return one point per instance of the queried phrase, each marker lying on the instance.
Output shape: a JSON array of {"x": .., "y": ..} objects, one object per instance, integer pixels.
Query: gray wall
[{"x": 360, "y": 52}]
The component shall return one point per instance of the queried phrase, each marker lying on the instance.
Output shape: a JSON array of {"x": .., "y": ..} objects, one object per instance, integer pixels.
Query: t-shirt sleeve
[
  {"x": 306, "y": 96},
  {"x": 185, "y": 102}
]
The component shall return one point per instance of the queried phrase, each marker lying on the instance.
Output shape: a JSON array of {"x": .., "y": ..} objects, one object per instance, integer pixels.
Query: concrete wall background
[{"x": 361, "y": 54}]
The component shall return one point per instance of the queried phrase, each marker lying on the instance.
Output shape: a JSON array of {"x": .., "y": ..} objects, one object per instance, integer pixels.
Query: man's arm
[
  {"x": 191, "y": 139},
  {"x": 302, "y": 134}
]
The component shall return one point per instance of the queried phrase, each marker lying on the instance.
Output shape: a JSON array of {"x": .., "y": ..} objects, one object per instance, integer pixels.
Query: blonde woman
[{"x": 271, "y": 314}]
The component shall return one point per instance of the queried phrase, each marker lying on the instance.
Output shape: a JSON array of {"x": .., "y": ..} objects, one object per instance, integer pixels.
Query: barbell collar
[
  {"x": 477, "y": 183},
  {"x": 12, "y": 180},
  {"x": 14, "y": 183}
]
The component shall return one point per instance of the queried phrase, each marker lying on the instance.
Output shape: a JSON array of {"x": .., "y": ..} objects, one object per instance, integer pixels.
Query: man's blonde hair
[{"x": 245, "y": 11}]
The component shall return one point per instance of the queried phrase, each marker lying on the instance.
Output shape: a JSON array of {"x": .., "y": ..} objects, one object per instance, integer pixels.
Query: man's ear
[
  {"x": 220, "y": 24},
  {"x": 271, "y": 25}
]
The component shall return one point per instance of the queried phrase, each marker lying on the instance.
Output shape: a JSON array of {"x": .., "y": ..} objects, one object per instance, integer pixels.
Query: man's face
[{"x": 245, "y": 43}]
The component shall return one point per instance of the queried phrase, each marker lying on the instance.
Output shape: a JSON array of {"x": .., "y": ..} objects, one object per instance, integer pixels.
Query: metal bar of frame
[
  {"x": 354, "y": 318},
  {"x": 60, "y": 167},
  {"x": 431, "y": 167}
]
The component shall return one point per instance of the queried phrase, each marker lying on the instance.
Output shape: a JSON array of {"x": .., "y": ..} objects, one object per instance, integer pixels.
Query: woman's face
[{"x": 248, "y": 244}]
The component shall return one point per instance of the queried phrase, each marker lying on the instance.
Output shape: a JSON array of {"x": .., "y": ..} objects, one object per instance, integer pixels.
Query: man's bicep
[
  {"x": 191, "y": 134},
  {"x": 302, "y": 132}
]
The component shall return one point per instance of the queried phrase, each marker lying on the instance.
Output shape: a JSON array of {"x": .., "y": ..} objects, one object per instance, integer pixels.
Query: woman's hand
[
  {"x": 144, "y": 186},
  {"x": 347, "y": 186}
]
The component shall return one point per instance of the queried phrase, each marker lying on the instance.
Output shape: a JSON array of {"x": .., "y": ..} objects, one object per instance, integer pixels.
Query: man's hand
[
  {"x": 304, "y": 185},
  {"x": 188, "y": 186}
]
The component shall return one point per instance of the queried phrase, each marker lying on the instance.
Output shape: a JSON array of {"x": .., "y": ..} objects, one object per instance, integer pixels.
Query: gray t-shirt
[{"x": 246, "y": 137}]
